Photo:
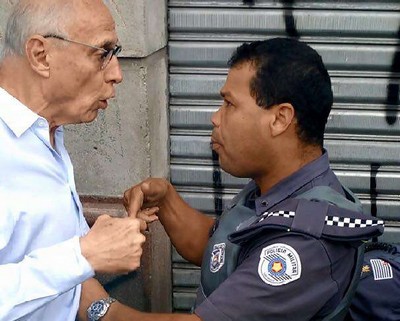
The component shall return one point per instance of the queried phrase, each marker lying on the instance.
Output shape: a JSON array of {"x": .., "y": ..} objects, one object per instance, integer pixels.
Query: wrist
[{"x": 99, "y": 309}]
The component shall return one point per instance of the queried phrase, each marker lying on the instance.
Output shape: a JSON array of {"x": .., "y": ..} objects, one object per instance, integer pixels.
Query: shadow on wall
[{"x": 290, "y": 24}]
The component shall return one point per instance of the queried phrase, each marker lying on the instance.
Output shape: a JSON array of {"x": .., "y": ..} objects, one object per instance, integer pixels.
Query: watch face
[{"x": 98, "y": 309}]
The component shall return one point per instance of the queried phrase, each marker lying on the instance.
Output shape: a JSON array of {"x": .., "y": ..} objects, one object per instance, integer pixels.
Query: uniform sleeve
[
  {"x": 40, "y": 276},
  {"x": 288, "y": 278}
]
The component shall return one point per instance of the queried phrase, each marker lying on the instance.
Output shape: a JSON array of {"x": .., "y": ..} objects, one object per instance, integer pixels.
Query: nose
[
  {"x": 215, "y": 118},
  {"x": 113, "y": 72}
]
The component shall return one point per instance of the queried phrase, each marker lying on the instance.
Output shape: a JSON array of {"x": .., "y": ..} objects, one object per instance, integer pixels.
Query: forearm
[
  {"x": 92, "y": 291},
  {"x": 123, "y": 313},
  {"x": 40, "y": 278},
  {"x": 187, "y": 228}
]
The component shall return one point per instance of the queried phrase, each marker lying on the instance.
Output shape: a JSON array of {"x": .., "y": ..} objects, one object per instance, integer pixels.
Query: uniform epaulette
[{"x": 319, "y": 219}]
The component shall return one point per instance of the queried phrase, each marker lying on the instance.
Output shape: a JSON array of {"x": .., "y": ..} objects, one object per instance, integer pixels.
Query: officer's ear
[
  {"x": 284, "y": 116},
  {"x": 37, "y": 53}
]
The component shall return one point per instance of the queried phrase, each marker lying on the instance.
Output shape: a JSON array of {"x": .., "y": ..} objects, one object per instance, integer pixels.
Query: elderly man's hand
[{"x": 114, "y": 245}]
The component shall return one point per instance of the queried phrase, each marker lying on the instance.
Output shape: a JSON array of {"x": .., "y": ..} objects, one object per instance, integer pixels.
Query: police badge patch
[
  {"x": 279, "y": 264},
  {"x": 217, "y": 257}
]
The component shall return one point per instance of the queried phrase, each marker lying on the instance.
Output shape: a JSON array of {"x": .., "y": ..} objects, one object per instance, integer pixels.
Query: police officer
[{"x": 285, "y": 248}]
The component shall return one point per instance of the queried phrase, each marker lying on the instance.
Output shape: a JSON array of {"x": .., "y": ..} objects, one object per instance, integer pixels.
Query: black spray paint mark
[
  {"x": 373, "y": 191},
  {"x": 290, "y": 23},
  {"x": 249, "y": 2},
  {"x": 217, "y": 185},
  {"x": 393, "y": 90}
]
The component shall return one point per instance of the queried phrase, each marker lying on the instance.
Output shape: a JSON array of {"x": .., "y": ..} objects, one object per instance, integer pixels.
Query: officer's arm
[
  {"x": 187, "y": 228},
  {"x": 92, "y": 291}
]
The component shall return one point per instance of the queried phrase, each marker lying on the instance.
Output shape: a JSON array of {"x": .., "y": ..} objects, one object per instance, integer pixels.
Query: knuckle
[
  {"x": 139, "y": 240},
  {"x": 134, "y": 264},
  {"x": 102, "y": 218}
]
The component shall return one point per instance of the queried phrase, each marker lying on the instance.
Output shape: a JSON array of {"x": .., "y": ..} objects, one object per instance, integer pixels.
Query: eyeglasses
[{"x": 106, "y": 56}]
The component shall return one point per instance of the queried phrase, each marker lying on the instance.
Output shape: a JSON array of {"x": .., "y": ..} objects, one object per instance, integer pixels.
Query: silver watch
[{"x": 99, "y": 308}]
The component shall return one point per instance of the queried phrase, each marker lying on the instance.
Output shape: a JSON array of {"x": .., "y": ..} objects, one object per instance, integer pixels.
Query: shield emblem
[
  {"x": 217, "y": 257},
  {"x": 279, "y": 264}
]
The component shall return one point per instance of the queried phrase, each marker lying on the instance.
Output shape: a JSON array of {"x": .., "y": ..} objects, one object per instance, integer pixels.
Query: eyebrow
[
  {"x": 226, "y": 94},
  {"x": 107, "y": 44}
]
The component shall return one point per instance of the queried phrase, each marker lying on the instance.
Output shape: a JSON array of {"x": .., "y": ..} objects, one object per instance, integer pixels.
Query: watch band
[{"x": 99, "y": 308}]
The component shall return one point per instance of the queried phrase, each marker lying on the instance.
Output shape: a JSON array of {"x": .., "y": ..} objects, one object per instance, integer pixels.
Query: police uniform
[
  {"x": 284, "y": 255},
  {"x": 378, "y": 293}
]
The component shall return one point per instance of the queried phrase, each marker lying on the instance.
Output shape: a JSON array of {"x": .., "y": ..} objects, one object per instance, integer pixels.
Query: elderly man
[
  {"x": 285, "y": 249},
  {"x": 58, "y": 67}
]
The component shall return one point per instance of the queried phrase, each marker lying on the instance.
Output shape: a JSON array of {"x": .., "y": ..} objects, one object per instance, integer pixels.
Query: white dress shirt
[{"x": 41, "y": 265}]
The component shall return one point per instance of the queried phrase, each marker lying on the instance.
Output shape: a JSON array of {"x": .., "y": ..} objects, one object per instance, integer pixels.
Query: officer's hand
[
  {"x": 114, "y": 245},
  {"x": 148, "y": 215},
  {"x": 147, "y": 194}
]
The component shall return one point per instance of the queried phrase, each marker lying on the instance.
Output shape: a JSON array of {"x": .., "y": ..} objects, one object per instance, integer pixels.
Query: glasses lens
[
  {"x": 117, "y": 50},
  {"x": 113, "y": 52}
]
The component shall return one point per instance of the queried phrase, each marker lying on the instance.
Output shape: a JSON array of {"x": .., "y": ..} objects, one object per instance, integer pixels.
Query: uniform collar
[
  {"x": 15, "y": 114},
  {"x": 291, "y": 184}
]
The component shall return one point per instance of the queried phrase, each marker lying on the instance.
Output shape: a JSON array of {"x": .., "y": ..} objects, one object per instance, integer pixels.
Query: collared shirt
[
  {"x": 41, "y": 220},
  {"x": 284, "y": 275}
]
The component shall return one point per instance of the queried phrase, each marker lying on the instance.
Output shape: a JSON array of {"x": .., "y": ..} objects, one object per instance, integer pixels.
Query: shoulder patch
[
  {"x": 279, "y": 264},
  {"x": 217, "y": 257},
  {"x": 382, "y": 270}
]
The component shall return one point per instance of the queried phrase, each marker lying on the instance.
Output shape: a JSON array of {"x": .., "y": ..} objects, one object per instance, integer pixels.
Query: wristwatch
[{"x": 99, "y": 308}]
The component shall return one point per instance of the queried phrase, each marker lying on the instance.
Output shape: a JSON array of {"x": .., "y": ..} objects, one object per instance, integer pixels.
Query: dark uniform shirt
[
  {"x": 284, "y": 275},
  {"x": 378, "y": 294}
]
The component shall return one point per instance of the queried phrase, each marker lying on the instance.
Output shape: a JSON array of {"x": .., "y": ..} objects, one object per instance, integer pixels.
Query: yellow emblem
[{"x": 366, "y": 269}]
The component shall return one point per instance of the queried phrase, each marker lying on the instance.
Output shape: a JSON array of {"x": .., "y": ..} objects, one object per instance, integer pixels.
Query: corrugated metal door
[{"x": 360, "y": 44}]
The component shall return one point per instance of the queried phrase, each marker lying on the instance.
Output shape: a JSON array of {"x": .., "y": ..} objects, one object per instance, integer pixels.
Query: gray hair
[{"x": 29, "y": 17}]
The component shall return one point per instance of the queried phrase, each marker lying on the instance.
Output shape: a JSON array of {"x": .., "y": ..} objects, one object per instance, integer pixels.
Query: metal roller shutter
[{"x": 360, "y": 44}]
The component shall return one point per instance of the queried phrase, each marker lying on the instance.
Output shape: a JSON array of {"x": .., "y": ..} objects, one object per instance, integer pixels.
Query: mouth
[
  {"x": 103, "y": 104},
  {"x": 214, "y": 144}
]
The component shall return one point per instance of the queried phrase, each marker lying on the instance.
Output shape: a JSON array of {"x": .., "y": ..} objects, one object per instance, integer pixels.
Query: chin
[
  {"x": 233, "y": 170},
  {"x": 91, "y": 117}
]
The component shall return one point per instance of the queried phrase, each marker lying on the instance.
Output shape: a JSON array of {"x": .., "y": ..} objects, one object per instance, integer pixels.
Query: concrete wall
[{"x": 129, "y": 142}]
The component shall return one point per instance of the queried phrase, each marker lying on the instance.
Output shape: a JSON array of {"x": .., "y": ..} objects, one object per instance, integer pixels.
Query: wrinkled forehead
[{"x": 90, "y": 20}]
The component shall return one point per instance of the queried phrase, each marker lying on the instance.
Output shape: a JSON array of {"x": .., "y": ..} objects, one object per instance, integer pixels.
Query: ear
[
  {"x": 36, "y": 49},
  {"x": 284, "y": 115}
]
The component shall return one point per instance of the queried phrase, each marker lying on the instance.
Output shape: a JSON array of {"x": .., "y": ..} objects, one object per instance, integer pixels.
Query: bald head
[{"x": 33, "y": 17}]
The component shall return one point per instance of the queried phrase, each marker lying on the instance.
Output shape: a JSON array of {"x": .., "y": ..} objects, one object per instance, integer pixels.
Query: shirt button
[
  {"x": 264, "y": 203},
  {"x": 42, "y": 123}
]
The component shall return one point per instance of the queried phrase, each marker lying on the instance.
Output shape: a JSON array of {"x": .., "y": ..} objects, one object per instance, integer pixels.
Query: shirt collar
[
  {"x": 15, "y": 114},
  {"x": 291, "y": 184}
]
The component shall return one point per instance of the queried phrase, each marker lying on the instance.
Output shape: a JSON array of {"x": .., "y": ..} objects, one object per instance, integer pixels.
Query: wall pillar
[{"x": 128, "y": 143}]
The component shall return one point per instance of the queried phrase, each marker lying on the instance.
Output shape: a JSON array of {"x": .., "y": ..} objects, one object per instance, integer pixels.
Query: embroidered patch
[
  {"x": 279, "y": 264},
  {"x": 365, "y": 269},
  {"x": 382, "y": 270},
  {"x": 217, "y": 257}
]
